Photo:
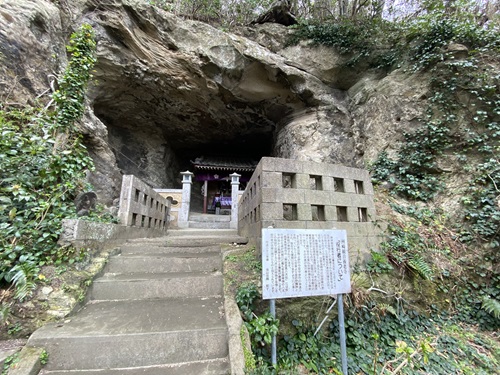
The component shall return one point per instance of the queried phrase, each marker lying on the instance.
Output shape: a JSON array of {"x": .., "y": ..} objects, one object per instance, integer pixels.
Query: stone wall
[{"x": 285, "y": 193}]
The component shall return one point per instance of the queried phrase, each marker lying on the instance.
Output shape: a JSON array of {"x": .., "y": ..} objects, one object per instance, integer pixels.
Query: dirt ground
[{"x": 242, "y": 265}]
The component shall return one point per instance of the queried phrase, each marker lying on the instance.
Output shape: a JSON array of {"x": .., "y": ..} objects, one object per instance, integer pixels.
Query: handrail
[{"x": 141, "y": 206}]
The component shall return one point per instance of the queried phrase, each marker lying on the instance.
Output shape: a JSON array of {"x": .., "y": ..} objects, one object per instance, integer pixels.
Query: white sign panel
[{"x": 304, "y": 262}]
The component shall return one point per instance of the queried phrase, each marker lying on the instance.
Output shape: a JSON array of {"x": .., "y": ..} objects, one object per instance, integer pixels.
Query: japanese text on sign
[{"x": 304, "y": 262}]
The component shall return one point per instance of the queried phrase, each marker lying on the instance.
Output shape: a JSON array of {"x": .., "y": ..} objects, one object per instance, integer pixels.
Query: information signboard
[{"x": 304, "y": 262}]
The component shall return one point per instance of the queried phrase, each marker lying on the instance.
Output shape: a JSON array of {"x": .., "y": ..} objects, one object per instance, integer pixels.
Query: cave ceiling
[{"x": 213, "y": 97}]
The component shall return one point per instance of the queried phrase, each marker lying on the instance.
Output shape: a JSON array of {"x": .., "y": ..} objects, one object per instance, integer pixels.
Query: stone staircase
[
  {"x": 208, "y": 221},
  {"x": 157, "y": 309}
]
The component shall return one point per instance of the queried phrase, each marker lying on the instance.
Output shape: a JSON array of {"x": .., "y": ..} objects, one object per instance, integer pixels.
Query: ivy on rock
[{"x": 43, "y": 165}]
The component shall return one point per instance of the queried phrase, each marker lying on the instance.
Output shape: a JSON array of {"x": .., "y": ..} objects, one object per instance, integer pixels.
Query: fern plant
[
  {"x": 405, "y": 248},
  {"x": 491, "y": 306},
  {"x": 4, "y": 313},
  {"x": 419, "y": 265},
  {"x": 22, "y": 276},
  {"x": 385, "y": 308}
]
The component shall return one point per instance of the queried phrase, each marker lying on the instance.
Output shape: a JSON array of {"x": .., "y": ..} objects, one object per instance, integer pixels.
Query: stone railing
[
  {"x": 141, "y": 206},
  {"x": 285, "y": 193}
]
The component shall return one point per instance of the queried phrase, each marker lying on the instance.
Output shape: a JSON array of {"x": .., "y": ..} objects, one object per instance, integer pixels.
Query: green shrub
[
  {"x": 365, "y": 39},
  {"x": 378, "y": 263},
  {"x": 427, "y": 35}
]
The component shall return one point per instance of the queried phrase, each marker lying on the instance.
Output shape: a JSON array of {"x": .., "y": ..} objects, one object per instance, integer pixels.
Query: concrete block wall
[
  {"x": 141, "y": 206},
  {"x": 285, "y": 193}
]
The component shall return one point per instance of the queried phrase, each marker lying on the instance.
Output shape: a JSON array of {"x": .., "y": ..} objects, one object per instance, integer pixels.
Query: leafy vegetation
[
  {"x": 304, "y": 349},
  {"x": 250, "y": 364},
  {"x": 392, "y": 332},
  {"x": 461, "y": 120},
  {"x": 461, "y": 124},
  {"x": 492, "y": 306},
  {"x": 443, "y": 316},
  {"x": 360, "y": 39},
  {"x": 415, "y": 343},
  {"x": 418, "y": 243},
  {"x": 242, "y": 12},
  {"x": 462, "y": 285},
  {"x": 43, "y": 172},
  {"x": 383, "y": 341},
  {"x": 10, "y": 361},
  {"x": 472, "y": 138},
  {"x": 261, "y": 328},
  {"x": 44, "y": 357},
  {"x": 437, "y": 320},
  {"x": 43, "y": 165},
  {"x": 378, "y": 263},
  {"x": 246, "y": 297},
  {"x": 225, "y": 13}
]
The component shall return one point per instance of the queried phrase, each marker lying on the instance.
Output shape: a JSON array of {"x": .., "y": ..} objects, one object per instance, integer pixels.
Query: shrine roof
[{"x": 225, "y": 163}]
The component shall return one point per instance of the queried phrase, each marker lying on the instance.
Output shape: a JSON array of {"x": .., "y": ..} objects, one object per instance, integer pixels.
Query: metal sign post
[
  {"x": 306, "y": 262},
  {"x": 274, "y": 357},
  {"x": 343, "y": 349}
]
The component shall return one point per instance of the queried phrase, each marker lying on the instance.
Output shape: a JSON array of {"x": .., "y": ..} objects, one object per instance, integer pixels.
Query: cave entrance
[
  {"x": 156, "y": 152},
  {"x": 212, "y": 173},
  {"x": 156, "y": 129}
]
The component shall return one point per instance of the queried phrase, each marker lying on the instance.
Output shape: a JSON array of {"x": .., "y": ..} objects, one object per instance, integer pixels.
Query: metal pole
[
  {"x": 343, "y": 350},
  {"x": 272, "y": 307}
]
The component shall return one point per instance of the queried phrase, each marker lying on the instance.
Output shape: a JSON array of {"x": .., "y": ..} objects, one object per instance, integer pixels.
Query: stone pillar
[
  {"x": 235, "y": 186},
  {"x": 187, "y": 181},
  {"x": 205, "y": 196}
]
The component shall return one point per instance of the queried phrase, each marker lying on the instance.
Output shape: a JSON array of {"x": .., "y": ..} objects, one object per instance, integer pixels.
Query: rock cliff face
[{"x": 167, "y": 90}]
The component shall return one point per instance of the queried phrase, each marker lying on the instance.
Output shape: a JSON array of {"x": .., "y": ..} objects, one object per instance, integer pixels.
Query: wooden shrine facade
[{"x": 213, "y": 172}]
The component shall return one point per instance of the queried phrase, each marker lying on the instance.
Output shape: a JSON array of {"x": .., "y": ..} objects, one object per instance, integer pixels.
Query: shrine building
[{"x": 212, "y": 181}]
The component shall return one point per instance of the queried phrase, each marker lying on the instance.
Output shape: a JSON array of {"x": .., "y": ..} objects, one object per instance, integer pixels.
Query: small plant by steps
[{"x": 261, "y": 328}]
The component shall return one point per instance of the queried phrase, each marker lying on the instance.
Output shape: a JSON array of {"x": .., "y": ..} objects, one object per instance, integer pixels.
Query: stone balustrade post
[
  {"x": 187, "y": 181},
  {"x": 235, "y": 186}
]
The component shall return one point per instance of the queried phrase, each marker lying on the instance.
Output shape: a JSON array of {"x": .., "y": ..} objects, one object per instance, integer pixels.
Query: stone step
[
  {"x": 201, "y": 233},
  {"x": 208, "y": 224},
  {"x": 165, "y": 262},
  {"x": 193, "y": 237},
  {"x": 133, "y": 334},
  {"x": 218, "y": 366},
  {"x": 209, "y": 218},
  {"x": 186, "y": 241},
  {"x": 209, "y": 240},
  {"x": 161, "y": 248},
  {"x": 123, "y": 286}
]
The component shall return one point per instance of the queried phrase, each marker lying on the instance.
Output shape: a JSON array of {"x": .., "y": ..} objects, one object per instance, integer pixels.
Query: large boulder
[{"x": 32, "y": 50}]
